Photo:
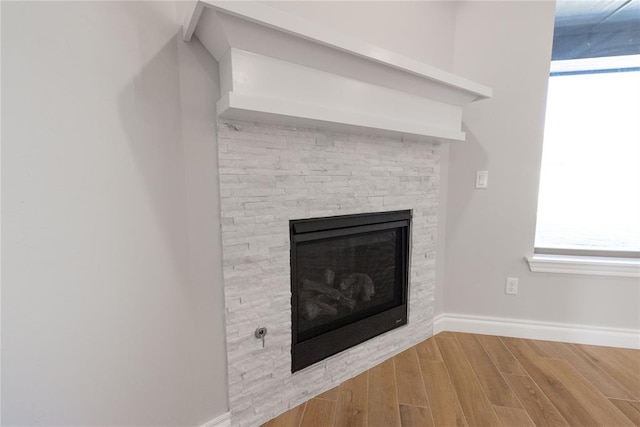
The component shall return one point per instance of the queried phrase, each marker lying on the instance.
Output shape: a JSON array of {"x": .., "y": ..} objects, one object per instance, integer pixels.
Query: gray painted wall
[
  {"x": 507, "y": 45},
  {"x": 423, "y": 30},
  {"x": 112, "y": 300}
]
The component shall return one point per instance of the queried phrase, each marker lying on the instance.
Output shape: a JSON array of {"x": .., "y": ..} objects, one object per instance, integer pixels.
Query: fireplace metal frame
[{"x": 310, "y": 351}]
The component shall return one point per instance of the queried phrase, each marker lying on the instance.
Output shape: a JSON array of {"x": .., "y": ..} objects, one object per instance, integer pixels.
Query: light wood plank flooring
[{"x": 456, "y": 379}]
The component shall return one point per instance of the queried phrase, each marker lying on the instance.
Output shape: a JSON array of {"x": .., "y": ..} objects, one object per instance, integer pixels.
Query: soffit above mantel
[{"x": 277, "y": 67}]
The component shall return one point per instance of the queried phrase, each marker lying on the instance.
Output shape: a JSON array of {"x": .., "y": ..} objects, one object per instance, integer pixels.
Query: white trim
[
  {"x": 600, "y": 63},
  {"x": 299, "y": 27},
  {"x": 533, "y": 329},
  {"x": 223, "y": 420},
  {"x": 239, "y": 106},
  {"x": 438, "y": 323},
  {"x": 272, "y": 90},
  {"x": 288, "y": 76},
  {"x": 594, "y": 266},
  {"x": 191, "y": 20}
]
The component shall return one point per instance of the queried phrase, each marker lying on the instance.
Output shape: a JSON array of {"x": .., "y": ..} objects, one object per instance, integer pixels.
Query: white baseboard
[
  {"x": 531, "y": 329},
  {"x": 223, "y": 420}
]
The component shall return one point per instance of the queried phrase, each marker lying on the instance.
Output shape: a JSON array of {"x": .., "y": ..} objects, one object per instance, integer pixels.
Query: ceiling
[
  {"x": 596, "y": 28},
  {"x": 595, "y": 12}
]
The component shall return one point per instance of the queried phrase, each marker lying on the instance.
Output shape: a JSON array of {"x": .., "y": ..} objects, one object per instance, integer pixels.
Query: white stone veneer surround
[{"x": 271, "y": 174}]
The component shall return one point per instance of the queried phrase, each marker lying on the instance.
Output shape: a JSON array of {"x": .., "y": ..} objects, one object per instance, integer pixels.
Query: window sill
[{"x": 595, "y": 266}]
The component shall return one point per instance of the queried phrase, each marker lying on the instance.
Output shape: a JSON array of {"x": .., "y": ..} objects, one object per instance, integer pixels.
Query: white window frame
[{"x": 586, "y": 262}]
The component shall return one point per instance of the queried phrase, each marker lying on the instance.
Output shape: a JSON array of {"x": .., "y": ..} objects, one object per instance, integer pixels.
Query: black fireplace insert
[{"x": 349, "y": 281}]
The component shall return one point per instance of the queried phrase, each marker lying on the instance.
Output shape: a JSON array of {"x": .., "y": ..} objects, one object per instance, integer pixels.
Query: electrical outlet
[{"x": 511, "y": 286}]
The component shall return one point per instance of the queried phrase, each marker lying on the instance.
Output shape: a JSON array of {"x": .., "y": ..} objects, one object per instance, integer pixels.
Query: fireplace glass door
[{"x": 349, "y": 281}]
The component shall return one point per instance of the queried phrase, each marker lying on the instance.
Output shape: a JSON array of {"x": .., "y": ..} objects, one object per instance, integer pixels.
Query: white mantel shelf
[{"x": 277, "y": 67}]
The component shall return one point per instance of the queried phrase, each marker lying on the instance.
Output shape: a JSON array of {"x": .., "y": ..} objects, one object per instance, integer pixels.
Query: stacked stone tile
[{"x": 270, "y": 174}]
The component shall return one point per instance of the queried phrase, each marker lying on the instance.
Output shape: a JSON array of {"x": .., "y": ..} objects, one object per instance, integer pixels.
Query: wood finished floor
[{"x": 456, "y": 379}]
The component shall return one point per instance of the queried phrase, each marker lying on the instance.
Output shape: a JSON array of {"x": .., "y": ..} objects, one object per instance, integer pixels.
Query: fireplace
[
  {"x": 325, "y": 174},
  {"x": 369, "y": 141},
  {"x": 349, "y": 281}
]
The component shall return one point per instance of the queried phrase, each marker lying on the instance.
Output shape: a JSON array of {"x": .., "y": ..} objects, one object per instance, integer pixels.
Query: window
[
  {"x": 589, "y": 196},
  {"x": 589, "y": 199}
]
